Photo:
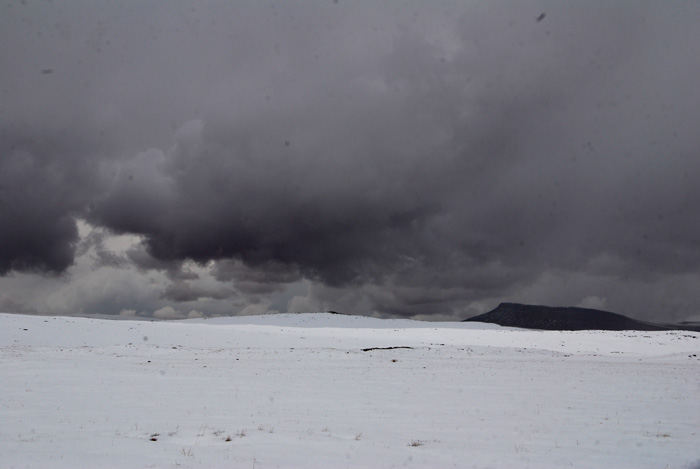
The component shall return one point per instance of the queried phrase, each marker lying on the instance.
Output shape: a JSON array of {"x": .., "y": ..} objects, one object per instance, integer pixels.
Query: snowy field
[{"x": 301, "y": 391}]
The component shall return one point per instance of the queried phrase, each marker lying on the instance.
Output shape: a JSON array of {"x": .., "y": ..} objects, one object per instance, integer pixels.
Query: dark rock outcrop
[{"x": 568, "y": 319}]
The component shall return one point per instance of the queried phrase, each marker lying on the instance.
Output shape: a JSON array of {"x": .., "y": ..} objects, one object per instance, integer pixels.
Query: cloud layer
[{"x": 398, "y": 159}]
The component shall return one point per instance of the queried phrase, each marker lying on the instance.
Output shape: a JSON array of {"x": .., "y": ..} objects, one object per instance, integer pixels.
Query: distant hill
[{"x": 569, "y": 319}]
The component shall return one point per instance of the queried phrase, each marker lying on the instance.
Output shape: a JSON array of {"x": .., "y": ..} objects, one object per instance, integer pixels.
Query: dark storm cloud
[
  {"x": 428, "y": 155},
  {"x": 45, "y": 181}
]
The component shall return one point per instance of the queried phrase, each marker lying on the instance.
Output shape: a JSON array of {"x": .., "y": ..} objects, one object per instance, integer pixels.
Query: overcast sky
[{"x": 398, "y": 158}]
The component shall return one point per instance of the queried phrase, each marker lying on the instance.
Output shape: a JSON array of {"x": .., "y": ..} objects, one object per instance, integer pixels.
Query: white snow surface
[{"x": 297, "y": 390}]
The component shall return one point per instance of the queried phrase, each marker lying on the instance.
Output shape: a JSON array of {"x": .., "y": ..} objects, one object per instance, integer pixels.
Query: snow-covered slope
[{"x": 327, "y": 390}]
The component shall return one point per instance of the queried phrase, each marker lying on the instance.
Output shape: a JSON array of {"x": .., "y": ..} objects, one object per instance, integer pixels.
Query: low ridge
[{"x": 568, "y": 319}]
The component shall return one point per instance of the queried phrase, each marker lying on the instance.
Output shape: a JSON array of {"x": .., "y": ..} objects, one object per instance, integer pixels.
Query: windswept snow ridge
[{"x": 327, "y": 390}]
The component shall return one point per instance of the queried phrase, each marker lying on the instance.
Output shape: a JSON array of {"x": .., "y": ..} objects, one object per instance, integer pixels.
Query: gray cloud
[
  {"x": 8, "y": 304},
  {"x": 102, "y": 256},
  {"x": 262, "y": 279},
  {"x": 173, "y": 269},
  {"x": 181, "y": 291},
  {"x": 405, "y": 159}
]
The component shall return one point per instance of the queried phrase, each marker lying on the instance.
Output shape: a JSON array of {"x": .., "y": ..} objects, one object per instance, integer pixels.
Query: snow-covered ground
[{"x": 300, "y": 391}]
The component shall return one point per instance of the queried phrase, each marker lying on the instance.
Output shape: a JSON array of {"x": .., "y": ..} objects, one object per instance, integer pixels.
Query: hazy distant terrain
[{"x": 328, "y": 390}]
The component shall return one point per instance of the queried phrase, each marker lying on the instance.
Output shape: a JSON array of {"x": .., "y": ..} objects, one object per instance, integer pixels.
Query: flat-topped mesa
[{"x": 563, "y": 319}]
